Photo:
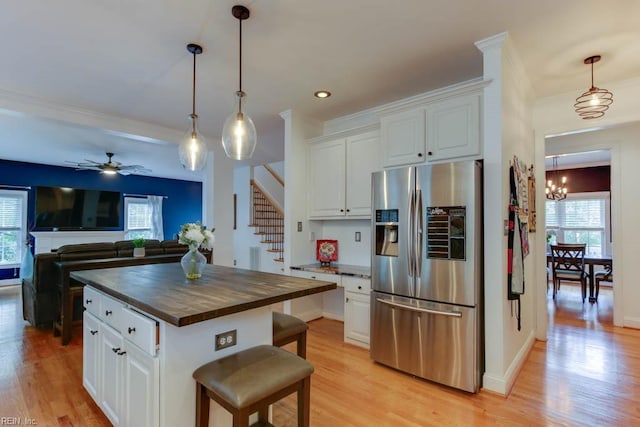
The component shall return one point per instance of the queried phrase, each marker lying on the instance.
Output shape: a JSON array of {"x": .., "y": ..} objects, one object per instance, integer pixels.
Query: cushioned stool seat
[
  {"x": 288, "y": 329},
  {"x": 251, "y": 380}
]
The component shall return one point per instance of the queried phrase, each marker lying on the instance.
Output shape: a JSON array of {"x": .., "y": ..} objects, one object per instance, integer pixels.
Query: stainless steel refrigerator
[{"x": 426, "y": 304}]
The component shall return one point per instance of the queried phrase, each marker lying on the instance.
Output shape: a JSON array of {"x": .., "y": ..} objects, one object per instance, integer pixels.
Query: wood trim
[
  {"x": 274, "y": 174},
  {"x": 266, "y": 196}
]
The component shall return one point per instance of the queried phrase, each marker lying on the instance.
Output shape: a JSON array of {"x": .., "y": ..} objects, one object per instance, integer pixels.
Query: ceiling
[{"x": 79, "y": 78}]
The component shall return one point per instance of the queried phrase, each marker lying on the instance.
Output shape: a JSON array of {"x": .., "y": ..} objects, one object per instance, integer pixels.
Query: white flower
[{"x": 195, "y": 234}]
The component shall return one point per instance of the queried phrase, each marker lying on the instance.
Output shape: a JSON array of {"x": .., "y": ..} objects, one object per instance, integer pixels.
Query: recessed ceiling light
[{"x": 322, "y": 94}]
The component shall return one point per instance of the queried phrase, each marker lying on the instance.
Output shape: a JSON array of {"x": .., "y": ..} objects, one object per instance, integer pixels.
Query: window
[
  {"x": 581, "y": 218},
  {"x": 13, "y": 226},
  {"x": 137, "y": 218}
]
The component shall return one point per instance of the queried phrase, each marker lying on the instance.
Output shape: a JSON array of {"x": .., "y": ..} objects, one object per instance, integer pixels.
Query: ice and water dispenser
[{"x": 387, "y": 232}]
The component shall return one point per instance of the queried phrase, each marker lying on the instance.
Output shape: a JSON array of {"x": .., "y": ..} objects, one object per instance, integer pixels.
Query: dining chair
[
  {"x": 605, "y": 275},
  {"x": 567, "y": 263}
]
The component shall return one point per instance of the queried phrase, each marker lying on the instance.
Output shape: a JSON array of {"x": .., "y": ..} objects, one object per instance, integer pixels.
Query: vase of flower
[
  {"x": 196, "y": 236},
  {"x": 193, "y": 263}
]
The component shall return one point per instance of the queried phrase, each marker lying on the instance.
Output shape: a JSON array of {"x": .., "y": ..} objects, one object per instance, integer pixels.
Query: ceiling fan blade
[{"x": 87, "y": 168}]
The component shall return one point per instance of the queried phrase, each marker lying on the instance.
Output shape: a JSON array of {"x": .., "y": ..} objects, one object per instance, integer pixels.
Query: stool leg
[
  {"x": 302, "y": 345},
  {"x": 263, "y": 414},
  {"x": 202, "y": 406},
  {"x": 241, "y": 418},
  {"x": 304, "y": 402}
]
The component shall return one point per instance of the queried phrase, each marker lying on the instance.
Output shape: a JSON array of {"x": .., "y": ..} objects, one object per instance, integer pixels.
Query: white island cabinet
[{"x": 143, "y": 340}]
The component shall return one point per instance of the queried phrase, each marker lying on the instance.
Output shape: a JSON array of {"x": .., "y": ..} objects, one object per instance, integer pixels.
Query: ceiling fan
[{"x": 110, "y": 167}]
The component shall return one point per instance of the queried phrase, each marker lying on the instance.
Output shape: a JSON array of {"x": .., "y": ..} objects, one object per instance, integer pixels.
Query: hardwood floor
[{"x": 587, "y": 373}]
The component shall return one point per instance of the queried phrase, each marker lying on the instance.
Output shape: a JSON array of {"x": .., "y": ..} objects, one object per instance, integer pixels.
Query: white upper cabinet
[
  {"x": 403, "y": 137},
  {"x": 362, "y": 160},
  {"x": 340, "y": 176},
  {"x": 448, "y": 128},
  {"x": 453, "y": 128}
]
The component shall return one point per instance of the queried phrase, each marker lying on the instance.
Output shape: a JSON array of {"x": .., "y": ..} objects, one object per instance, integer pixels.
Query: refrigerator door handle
[
  {"x": 421, "y": 310},
  {"x": 418, "y": 233},
  {"x": 410, "y": 239}
]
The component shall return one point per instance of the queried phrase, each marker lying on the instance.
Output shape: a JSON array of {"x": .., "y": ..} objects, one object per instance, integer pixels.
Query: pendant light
[
  {"x": 556, "y": 190},
  {"x": 193, "y": 148},
  {"x": 593, "y": 103},
  {"x": 239, "y": 132}
]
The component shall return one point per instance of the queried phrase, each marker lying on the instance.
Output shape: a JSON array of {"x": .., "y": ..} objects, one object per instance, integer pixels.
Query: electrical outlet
[
  {"x": 299, "y": 226},
  {"x": 226, "y": 339}
]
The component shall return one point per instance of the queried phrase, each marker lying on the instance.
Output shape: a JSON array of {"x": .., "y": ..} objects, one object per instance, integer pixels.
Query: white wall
[
  {"x": 507, "y": 131},
  {"x": 349, "y": 251},
  {"x": 298, "y": 246}
]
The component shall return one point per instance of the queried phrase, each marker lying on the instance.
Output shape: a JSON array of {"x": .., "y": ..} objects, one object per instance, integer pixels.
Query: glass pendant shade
[
  {"x": 239, "y": 132},
  {"x": 239, "y": 135},
  {"x": 193, "y": 148}
]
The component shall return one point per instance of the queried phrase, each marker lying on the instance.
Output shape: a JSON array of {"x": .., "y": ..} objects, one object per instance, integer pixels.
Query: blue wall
[{"x": 183, "y": 202}]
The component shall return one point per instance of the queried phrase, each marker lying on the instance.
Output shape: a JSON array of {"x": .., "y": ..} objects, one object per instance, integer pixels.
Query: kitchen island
[{"x": 147, "y": 328}]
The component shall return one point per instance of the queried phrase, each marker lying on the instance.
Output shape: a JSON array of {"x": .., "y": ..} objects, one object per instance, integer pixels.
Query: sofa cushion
[
  {"x": 86, "y": 251},
  {"x": 173, "y": 247},
  {"x": 153, "y": 247}
]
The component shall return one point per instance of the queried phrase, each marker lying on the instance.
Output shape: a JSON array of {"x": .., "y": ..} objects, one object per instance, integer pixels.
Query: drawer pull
[
  {"x": 108, "y": 313},
  {"x": 120, "y": 353},
  {"x": 93, "y": 332},
  {"x": 131, "y": 330},
  {"x": 359, "y": 287},
  {"x": 115, "y": 349},
  {"x": 88, "y": 301}
]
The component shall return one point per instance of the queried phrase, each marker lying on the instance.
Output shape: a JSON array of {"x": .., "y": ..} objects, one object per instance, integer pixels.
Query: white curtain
[{"x": 157, "y": 230}]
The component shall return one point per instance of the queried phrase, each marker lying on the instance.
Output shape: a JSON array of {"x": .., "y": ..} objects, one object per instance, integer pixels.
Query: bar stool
[
  {"x": 287, "y": 329},
  {"x": 251, "y": 380}
]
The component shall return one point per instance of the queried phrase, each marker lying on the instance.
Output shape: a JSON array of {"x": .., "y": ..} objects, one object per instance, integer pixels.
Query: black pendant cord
[
  {"x": 193, "y": 94},
  {"x": 592, "y": 86},
  {"x": 240, "y": 93}
]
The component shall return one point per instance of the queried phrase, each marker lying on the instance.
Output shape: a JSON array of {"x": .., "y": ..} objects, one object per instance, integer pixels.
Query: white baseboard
[
  {"x": 631, "y": 322},
  {"x": 503, "y": 384}
]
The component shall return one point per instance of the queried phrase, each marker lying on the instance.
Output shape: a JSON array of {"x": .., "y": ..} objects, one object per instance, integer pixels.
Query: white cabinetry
[
  {"x": 309, "y": 307},
  {"x": 340, "y": 175},
  {"x": 453, "y": 128},
  {"x": 403, "y": 137},
  {"x": 356, "y": 310},
  {"x": 448, "y": 128},
  {"x": 349, "y": 302},
  {"x": 120, "y": 367}
]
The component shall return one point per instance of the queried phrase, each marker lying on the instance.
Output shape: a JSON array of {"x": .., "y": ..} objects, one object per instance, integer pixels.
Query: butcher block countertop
[{"x": 161, "y": 290}]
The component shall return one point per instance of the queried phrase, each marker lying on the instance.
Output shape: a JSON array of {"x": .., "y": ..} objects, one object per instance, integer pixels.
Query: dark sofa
[{"x": 40, "y": 293}]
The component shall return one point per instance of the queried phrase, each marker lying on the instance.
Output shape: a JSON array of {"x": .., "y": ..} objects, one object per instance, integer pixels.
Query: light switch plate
[{"x": 358, "y": 236}]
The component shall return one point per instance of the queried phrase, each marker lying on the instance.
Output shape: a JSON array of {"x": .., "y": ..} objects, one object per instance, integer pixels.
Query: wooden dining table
[{"x": 591, "y": 261}]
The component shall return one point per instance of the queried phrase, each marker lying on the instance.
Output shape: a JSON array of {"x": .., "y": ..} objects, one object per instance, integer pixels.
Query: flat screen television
[{"x": 62, "y": 208}]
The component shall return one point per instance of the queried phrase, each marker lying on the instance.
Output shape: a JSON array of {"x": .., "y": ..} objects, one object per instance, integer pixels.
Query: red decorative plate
[{"x": 326, "y": 250}]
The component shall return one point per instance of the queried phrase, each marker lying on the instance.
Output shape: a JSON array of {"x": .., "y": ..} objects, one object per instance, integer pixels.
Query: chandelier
[
  {"x": 593, "y": 103},
  {"x": 555, "y": 191}
]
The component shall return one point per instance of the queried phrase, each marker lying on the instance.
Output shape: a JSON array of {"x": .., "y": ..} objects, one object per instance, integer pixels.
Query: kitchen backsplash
[{"x": 344, "y": 231}]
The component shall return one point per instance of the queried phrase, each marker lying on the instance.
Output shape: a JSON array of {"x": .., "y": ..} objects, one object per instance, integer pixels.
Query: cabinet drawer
[
  {"x": 111, "y": 312},
  {"x": 91, "y": 301},
  {"x": 356, "y": 284},
  {"x": 335, "y": 278},
  {"x": 140, "y": 330}
]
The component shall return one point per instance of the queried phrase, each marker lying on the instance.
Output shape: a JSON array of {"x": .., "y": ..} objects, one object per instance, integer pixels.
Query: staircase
[{"x": 268, "y": 221}]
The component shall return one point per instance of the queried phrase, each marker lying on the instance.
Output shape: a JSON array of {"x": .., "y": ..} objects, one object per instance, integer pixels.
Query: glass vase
[{"x": 193, "y": 263}]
